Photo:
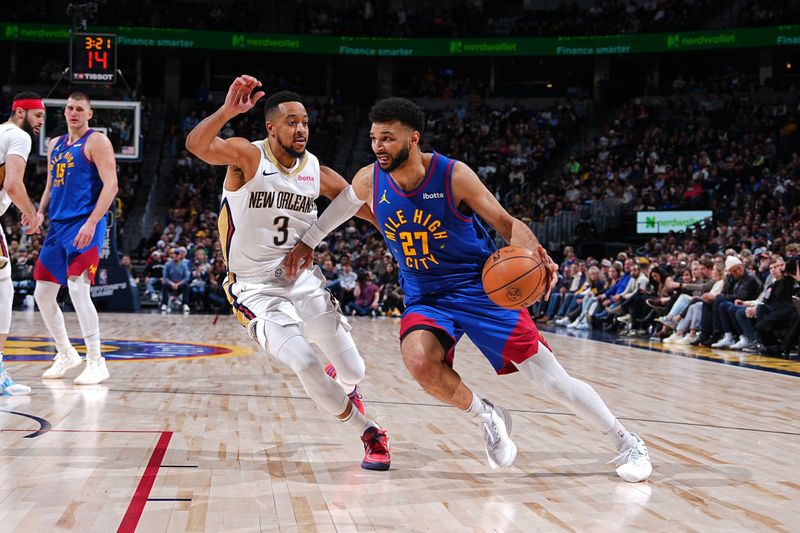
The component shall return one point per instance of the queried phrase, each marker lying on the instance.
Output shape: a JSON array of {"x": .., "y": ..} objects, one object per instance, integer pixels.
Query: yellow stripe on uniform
[{"x": 242, "y": 313}]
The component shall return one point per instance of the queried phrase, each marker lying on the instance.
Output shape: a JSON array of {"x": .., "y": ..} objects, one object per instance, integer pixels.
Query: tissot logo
[
  {"x": 305, "y": 178},
  {"x": 432, "y": 195}
]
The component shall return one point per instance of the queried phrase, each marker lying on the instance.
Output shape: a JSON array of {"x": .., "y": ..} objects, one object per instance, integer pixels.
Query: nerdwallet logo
[
  {"x": 12, "y": 32},
  {"x": 456, "y": 47},
  {"x": 673, "y": 41},
  {"x": 238, "y": 41},
  {"x": 432, "y": 195},
  {"x": 650, "y": 222}
]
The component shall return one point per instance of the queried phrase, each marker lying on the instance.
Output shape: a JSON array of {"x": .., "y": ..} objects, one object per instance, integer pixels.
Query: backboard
[{"x": 119, "y": 120}]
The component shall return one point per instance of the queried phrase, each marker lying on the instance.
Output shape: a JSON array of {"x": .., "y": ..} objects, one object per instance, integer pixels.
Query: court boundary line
[{"x": 142, "y": 493}]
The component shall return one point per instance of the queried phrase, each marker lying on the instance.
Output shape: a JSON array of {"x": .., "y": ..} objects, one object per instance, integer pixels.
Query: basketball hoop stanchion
[
  {"x": 61, "y": 77},
  {"x": 127, "y": 87}
]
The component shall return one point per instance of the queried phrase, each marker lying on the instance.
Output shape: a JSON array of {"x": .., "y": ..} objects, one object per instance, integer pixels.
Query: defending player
[
  {"x": 427, "y": 206},
  {"x": 267, "y": 203},
  {"x": 81, "y": 185},
  {"x": 27, "y": 117}
]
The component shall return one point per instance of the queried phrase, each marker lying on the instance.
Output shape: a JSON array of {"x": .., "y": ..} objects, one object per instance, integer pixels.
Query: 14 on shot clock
[{"x": 93, "y": 58}]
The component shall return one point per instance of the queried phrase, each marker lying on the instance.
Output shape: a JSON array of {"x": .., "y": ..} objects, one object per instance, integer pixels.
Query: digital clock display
[{"x": 93, "y": 58}]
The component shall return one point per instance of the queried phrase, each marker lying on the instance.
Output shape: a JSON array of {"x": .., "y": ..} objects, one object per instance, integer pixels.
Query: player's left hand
[
  {"x": 551, "y": 266},
  {"x": 85, "y": 235},
  {"x": 299, "y": 257}
]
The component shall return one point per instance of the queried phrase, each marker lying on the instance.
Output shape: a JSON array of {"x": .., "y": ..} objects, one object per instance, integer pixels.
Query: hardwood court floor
[{"x": 234, "y": 444}]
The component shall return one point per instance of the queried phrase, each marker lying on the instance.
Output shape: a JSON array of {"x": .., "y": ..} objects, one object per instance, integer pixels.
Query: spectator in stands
[
  {"x": 175, "y": 282},
  {"x": 777, "y": 311},
  {"x": 347, "y": 283},
  {"x": 153, "y": 275},
  {"x": 367, "y": 297},
  {"x": 739, "y": 285}
]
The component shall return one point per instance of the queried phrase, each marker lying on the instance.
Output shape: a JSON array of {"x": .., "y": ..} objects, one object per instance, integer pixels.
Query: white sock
[
  {"x": 478, "y": 407},
  {"x": 358, "y": 421},
  {"x": 93, "y": 347},
  {"x": 620, "y": 436}
]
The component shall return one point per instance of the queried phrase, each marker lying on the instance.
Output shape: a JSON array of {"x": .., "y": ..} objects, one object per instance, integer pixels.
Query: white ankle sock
[
  {"x": 358, "y": 421},
  {"x": 620, "y": 436},
  {"x": 478, "y": 407},
  {"x": 93, "y": 347}
]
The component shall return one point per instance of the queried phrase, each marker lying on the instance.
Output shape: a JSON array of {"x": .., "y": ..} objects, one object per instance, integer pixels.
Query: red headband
[{"x": 27, "y": 104}]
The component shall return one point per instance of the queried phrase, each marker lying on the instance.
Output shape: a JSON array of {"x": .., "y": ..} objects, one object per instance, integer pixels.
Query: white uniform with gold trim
[
  {"x": 258, "y": 225},
  {"x": 13, "y": 141}
]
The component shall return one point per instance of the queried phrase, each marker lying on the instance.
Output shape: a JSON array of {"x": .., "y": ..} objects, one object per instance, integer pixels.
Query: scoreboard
[{"x": 93, "y": 58}]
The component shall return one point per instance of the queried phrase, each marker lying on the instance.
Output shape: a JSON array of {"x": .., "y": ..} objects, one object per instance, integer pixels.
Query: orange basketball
[{"x": 514, "y": 277}]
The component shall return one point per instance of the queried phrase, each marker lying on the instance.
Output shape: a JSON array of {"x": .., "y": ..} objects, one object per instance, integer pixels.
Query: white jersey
[
  {"x": 13, "y": 140},
  {"x": 262, "y": 221}
]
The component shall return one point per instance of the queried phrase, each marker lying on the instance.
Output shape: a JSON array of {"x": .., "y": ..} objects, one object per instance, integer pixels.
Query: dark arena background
[{"x": 652, "y": 147}]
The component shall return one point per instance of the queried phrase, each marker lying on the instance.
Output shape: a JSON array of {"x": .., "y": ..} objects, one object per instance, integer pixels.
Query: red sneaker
[
  {"x": 354, "y": 396},
  {"x": 376, "y": 449}
]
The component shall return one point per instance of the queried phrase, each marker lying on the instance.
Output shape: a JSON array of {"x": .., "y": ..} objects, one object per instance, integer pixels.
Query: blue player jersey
[
  {"x": 75, "y": 184},
  {"x": 437, "y": 247}
]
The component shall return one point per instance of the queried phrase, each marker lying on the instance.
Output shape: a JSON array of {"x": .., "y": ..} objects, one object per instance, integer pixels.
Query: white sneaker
[
  {"x": 500, "y": 449},
  {"x": 675, "y": 337},
  {"x": 627, "y": 319},
  {"x": 726, "y": 342},
  {"x": 163, "y": 308},
  {"x": 583, "y": 326},
  {"x": 574, "y": 324},
  {"x": 63, "y": 364},
  {"x": 186, "y": 308},
  {"x": 687, "y": 339},
  {"x": 94, "y": 373},
  {"x": 633, "y": 463},
  {"x": 8, "y": 387},
  {"x": 562, "y": 321},
  {"x": 741, "y": 344}
]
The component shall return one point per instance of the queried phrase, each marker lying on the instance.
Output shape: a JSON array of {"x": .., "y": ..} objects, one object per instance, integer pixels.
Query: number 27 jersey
[
  {"x": 259, "y": 223},
  {"x": 437, "y": 247}
]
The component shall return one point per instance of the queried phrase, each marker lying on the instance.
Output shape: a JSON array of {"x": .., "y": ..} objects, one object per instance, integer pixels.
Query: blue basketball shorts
[
  {"x": 60, "y": 259},
  {"x": 504, "y": 336}
]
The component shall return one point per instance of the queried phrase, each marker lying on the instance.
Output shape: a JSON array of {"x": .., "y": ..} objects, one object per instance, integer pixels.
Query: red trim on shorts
[
  {"x": 411, "y": 320},
  {"x": 522, "y": 343},
  {"x": 40, "y": 273},
  {"x": 87, "y": 261}
]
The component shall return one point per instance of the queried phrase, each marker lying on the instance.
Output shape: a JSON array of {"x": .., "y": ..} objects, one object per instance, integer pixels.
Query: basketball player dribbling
[
  {"x": 27, "y": 118},
  {"x": 81, "y": 186},
  {"x": 267, "y": 204},
  {"x": 427, "y": 207}
]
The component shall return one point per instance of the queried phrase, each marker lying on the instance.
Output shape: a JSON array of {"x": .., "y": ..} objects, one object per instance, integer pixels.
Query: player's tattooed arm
[{"x": 234, "y": 178}]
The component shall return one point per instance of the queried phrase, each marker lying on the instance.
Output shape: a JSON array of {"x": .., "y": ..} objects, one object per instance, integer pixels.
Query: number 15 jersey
[{"x": 264, "y": 219}]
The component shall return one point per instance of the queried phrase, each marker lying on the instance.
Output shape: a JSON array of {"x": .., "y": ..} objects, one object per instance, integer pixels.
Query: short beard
[
  {"x": 26, "y": 126},
  {"x": 291, "y": 151},
  {"x": 398, "y": 160}
]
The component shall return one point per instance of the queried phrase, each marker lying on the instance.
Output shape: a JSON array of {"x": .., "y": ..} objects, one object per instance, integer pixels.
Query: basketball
[{"x": 514, "y": 277}]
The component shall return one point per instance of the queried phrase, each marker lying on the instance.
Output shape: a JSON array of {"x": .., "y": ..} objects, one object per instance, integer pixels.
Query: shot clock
[{"x": 93, "y": 58}]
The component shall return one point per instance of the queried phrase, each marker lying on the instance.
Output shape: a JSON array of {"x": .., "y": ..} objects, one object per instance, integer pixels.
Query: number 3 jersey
[
  {"x": 259, "y": 223},
  {"x": 437, "y": 247}
]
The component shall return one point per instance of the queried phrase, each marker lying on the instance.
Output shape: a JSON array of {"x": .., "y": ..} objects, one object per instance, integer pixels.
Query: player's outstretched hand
[
  {"x": 240, "y": 97},
  {"x": 299, "y": 257},
  {"x": 551, "y": 266},
  {"x": 85, "y": 235}
]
